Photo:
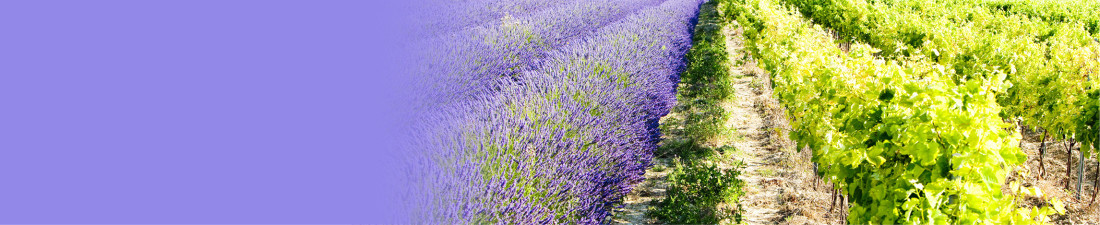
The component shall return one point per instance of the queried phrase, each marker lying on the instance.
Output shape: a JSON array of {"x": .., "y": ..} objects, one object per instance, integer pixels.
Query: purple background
[{"x": 198, "y": 111}]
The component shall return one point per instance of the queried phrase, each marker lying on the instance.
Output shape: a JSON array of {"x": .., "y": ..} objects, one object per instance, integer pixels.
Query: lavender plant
[
  {"x": 436, "y": 17},
  {"x": 463, "y": 64},
  {"x": 554, "y": 121}
]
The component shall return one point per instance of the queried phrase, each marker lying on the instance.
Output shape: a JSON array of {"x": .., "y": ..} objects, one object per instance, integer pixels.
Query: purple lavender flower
[{"x": 548, "y": 116}]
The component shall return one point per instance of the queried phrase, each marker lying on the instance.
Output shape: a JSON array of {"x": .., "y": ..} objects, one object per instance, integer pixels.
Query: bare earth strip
[
  {"x": 781, "y": 185},
  {"x": 643, "y": 195}
]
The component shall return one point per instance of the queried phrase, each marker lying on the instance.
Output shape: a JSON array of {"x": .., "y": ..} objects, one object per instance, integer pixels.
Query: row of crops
[
  {"x": 537, "y": 111},
  {"x": 915, "y": 121},
  {"x": 1049, "y": 62}
]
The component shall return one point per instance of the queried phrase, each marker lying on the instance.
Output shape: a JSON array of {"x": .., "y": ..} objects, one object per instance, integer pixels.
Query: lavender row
[
  {"x": 647, "y": 50},
  {"x": 563, "y": 140},
  {"x": 434, "y": 17},
  {"x": 474, "y": 60}
]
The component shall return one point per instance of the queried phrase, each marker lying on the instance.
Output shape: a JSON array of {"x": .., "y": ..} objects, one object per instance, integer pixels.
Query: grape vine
[
  {"x": 1050, "y": 63},
  {"x": 908, "y": 139}
]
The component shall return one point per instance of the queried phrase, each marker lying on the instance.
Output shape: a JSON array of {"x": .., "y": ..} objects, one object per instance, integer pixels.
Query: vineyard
[{"x": 753, "y": 111}]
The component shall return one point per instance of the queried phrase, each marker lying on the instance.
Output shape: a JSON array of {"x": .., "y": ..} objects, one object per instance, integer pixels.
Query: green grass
[
  {"x": 707, "y": 81},
  {"x": 695, "y": 193},
  {"x": 700, "y": 192}
]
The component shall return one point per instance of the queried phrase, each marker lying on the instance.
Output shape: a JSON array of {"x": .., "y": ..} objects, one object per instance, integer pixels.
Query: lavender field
[{"x": 539, "y": 112}]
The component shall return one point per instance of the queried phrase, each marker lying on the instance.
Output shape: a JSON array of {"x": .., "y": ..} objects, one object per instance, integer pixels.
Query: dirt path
[
  {"x": 762, "y": 200},
  {"x": 645, "y": 194},
  {"x": 781, "y": 186}
]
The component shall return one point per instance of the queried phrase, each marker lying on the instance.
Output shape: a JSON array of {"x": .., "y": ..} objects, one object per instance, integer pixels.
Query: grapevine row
[
  {"x": 1051, "y": 64},
  {"x": 906, "y": 139},
  {"x": 1087, "y": 12}
]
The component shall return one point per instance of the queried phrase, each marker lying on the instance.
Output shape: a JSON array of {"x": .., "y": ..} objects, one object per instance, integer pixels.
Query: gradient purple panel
[{"x": 239, "y": 111}]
